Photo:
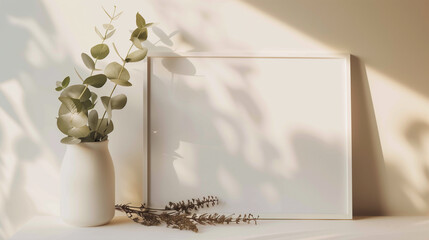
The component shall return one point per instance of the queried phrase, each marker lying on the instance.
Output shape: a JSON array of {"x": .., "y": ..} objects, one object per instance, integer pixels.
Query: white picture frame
[{"x": 328, "y": 62}]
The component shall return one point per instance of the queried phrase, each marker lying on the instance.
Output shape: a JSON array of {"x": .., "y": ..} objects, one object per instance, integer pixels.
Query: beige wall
[
  {"x": 389, "y": 42},
  {"x": 387, "y": 38}
]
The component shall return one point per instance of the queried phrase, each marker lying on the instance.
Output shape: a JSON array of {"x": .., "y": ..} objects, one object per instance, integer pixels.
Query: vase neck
[{"x": 96, "y": 146}]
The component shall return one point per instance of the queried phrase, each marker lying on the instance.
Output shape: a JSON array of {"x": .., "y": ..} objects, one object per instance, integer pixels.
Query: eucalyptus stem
[
  {"x": 95, "y": 62},
  {"x": 111, "y": 93}
]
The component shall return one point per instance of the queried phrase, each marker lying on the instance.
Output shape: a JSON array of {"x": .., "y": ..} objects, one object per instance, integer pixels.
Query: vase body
[{"x": 87, "y": 184}]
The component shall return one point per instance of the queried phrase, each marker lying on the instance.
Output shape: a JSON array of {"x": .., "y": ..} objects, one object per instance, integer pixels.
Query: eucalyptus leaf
[
  {"x": 73, "y": 105},
  {"x": 59, "y": 86},
  {"x": 105, "y": 127},
  {"x": 118, "y": 101},
  {"x": 99, "y": 33},
  {"x": 106, "y": 12},
  {"x": 115, "y": 70},
  {"x": 96, "y": 80},
  {"x": 136, "y": 42},
  {"x": 79, "y": 132},
  {"x": 100, "y": 51},
  {"x": 117, "y": 16},
  {"x": 93, "y": 119},
  {"x": 110, "y": 34},
  {"x": 117, "y": 52},
  {"x": 148, "y": 25},
  {"x": 89, "y": 138},
  {"x": 109, "y": 112},
  {"x": 140, "y": 22},
  {"x": 108, "y": 26},
  {"x": 93, "y": 97},
  {"x": 107, "y": 103},
  {"x": 63, "y": 110},
  {"x": 65, "y": 82},
  {"x": 140, "y": 33},
  {"x": 77, "y": 73},
  {"x": 74, "y": 91},
  {"x": 87, "y": 60},
  {"x": 137, "y": 55},
  {"x": 70, "y": 140},
  {"x": 71, "y": 120},
  {"x": 87, "y": 105},
  {"x": 63, "y": 125},
  {"x": 121, "y": 82}
]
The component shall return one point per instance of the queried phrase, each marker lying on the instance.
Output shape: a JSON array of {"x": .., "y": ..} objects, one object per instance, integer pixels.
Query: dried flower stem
[{"x": 178, "y": 215}]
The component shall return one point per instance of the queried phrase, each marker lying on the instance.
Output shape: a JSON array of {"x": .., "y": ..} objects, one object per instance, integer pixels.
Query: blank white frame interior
[{"x": 269, "y": 134}]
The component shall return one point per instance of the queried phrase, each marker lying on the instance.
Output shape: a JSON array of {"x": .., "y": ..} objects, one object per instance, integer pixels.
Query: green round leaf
[
  {"x": 140, "y": 33},
  {"x": 115, "y": 70},
  {"x": 100, "y": 51},
  {"x": 65, "y": 82},
  {"x": 137, "y": 55},
  {"x": 70, "y": 140},
  {"x": 58, "y": 89},
  {"x": 93, "y": 119},
  {"x": 119, "y": 101},
  {"x": 108, "y": 26},
  {"x": 93, "y": 97},
  {"x": 105, "y": 101},
  {"x": 108, "y": 106},
  {"x": 110, "y": 34},
  {"x": 136, "y": 42},
  {"x": 63, "y": 110},
  {"x": 96, "y": 80},
  {"x": 73, "y": 119},
  {"x": 79, "y": 132},
  {"x": 73, "y": 124},
  {"x": 121, "y": 82},
  {"x": 63, "y": 125},
  {"x": 74, "y": 91},
  {"x": 140, "y": 22},
  {"x": 105, "y": 127},
  {"x": 87, "y": 60},
  {"x": 72, "y": 105},
  {"x": 87, "y": 105}
]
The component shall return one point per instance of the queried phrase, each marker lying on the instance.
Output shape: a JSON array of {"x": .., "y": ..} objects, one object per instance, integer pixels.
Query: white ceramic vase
[{"x": 87, "y": 184}]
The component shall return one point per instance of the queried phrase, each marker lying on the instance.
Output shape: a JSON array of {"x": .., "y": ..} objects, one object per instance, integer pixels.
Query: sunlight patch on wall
[
  {"x": 403, "y": 123},
  {"x": 28, "y": 172}
]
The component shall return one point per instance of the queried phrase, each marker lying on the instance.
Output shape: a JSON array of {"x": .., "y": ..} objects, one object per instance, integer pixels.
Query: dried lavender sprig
[
  {"x": 177, "y": 215},
  {"x": 192, "y": 205}
]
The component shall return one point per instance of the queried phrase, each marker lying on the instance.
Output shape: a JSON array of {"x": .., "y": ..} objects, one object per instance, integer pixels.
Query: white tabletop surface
[{"x": 410, "y": 228}]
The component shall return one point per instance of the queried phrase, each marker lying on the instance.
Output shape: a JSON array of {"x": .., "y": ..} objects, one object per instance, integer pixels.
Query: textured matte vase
[{"x": 87, "y": 184}]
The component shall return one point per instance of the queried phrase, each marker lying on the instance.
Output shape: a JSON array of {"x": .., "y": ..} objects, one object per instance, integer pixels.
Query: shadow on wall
[
  {"x": 383, "y": 36},
  {"x": 368, "y": 165},
  {"x": 31, "y": 62},
  {"x": 412, "y": 198}
]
